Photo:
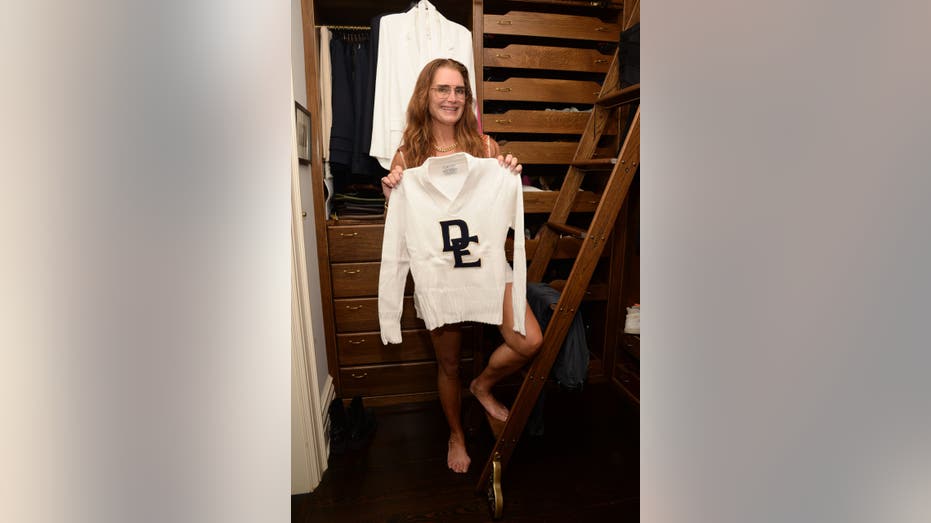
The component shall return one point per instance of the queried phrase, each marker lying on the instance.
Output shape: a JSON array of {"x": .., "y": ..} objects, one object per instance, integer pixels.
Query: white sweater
[{"x": 447, "y": 223}]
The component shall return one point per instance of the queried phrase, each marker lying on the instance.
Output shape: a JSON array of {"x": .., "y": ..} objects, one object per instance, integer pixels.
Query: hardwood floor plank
[{"x": 585, "y": 467}]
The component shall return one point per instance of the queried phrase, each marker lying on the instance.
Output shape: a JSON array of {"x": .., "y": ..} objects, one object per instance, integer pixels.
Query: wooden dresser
[{"x": 381, "y": 373}]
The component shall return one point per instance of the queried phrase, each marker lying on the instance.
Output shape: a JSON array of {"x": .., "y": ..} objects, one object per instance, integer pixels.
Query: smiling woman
[{"x": 441, "y": 122}]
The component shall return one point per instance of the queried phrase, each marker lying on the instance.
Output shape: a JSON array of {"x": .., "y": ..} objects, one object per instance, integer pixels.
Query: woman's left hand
[{"x": 511, "y": 163}]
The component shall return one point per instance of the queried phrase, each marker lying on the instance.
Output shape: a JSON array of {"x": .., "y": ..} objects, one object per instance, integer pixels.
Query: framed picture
[{"x": 302, "y": 127}]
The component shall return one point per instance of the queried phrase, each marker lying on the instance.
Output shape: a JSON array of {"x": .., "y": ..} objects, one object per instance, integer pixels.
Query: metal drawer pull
[
  {"x": 357, "y": 342},
  {"x": 359, "y": 376},
  {"x": 505, "y": 122},
  {"x": 504, "y": 22},
  {"x": 502, "y": 56},
  {"x": 352, "y": 271},
  {"x": 348, "y": 234},
  {"x": 601, "y": 61},
  {"x": 354, "y": 307},
  {"x": 601, "y": 29},
  {"x": 503, "y": 89}
]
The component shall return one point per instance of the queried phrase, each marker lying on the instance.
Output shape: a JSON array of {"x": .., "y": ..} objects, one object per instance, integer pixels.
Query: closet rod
[{"x": 351, "y": 27}]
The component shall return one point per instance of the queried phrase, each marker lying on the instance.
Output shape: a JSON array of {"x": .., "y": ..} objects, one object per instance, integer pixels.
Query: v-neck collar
[{"x": 451, "y": 205}]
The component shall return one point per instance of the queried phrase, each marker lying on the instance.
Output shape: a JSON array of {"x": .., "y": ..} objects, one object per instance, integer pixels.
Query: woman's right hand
[{"x": 391, "y": 181}]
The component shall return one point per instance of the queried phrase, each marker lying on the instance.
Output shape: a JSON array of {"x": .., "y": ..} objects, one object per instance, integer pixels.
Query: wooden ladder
[{"x": 622, "y": 171}]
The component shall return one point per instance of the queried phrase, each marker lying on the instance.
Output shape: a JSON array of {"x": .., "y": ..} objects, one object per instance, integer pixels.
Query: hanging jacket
[{"x": 571, "y": 366}]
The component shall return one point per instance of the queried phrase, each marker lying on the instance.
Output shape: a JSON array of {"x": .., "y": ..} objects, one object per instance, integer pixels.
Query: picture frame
[{"x": 302, "y": 130}]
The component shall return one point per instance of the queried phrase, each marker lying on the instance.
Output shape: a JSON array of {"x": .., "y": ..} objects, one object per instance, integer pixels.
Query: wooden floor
[{"x": 585, "y": 467}]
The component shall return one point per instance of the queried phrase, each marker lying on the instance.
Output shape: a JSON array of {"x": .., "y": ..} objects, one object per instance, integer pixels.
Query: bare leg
[
  {"x": 508, "y": 358},
  {"x": 447, "y": 343}
]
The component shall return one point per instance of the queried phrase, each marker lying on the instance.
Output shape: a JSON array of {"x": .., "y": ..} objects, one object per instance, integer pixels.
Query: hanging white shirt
[
  {"x": 447, "y": 223},
  {"x": 406, "y": 42}
]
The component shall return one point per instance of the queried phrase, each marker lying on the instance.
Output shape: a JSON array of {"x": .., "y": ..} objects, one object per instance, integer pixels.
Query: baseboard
[{"x": 329, "y": 392}]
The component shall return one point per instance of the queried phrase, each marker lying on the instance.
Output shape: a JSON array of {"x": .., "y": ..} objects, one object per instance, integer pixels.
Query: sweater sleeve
[
  {"x": 395, "y": 263},
  {"x": 519, "y": 285}
]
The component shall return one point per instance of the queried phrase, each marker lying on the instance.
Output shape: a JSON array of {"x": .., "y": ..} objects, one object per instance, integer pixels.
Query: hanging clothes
[
  {"x": 406, "y": 42},
  {"x": 324, "y": 82},
  {"x": 365, "y": 120},
  {"x": 325, "y": 121},
  {"x": 341, "y": 130},
  {"x": 351, "y": 164}
]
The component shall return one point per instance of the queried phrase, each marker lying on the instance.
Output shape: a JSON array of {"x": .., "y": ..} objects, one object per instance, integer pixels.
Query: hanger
[{"x": 417, "y": 4}]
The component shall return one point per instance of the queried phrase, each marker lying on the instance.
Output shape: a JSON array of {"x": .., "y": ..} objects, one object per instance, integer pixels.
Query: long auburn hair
[{"x": 417, "y": 140}]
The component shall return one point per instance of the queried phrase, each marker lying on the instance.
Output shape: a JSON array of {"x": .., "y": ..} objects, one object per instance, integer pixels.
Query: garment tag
[{"x": 449, "y": 166}]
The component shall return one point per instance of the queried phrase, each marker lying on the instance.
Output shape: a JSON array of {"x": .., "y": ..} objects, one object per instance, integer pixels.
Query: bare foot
[
  {"x": 496, "y": 409},
  {"x": 457, "y": 458}
]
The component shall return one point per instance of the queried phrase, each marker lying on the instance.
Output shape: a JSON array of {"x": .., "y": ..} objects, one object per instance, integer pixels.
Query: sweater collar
[{"x": 455, "y": 203}]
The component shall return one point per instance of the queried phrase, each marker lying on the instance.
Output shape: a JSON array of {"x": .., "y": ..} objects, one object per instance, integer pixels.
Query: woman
[{"x": 440, "y": 122}]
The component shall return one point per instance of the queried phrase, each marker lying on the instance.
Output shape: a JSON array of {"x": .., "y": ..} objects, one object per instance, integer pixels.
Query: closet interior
[{"x": 539, "y": 66}]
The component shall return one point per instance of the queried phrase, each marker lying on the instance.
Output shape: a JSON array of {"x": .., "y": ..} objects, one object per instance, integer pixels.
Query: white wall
[{"x": 310, "y": 231}]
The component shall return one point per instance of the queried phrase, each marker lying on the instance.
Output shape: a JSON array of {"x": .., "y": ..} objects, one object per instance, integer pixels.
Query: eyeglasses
[{"x": 446, "y": 90}]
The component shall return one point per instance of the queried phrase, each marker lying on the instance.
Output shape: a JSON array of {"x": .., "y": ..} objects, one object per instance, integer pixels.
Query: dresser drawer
[
  {"x": 528, "y": 121},
  {"x": 627, "y": 375},
  {"x": 542, "y": 90},
  {"x": 531, "y": 153},
  {"x": 365, "y": 348},
  {"x": 523, "y": 23},
  {"x": 403, "y": 378},
  {"x": 355, "y": 315},
  {"x": 355, "y": 243},
  {"x": 352, "y": 280},
  {"x": 543, "y": 202},
  {"x": 546, "y": 57},
  {"x": 567, "y": 248}
]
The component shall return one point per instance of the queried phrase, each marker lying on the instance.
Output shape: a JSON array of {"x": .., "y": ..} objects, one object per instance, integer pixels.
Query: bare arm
[{"x": 393, "y": 178}]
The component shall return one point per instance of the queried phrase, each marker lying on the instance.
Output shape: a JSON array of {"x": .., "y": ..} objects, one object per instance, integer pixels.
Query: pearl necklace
[{"x": 445, "y": 149}]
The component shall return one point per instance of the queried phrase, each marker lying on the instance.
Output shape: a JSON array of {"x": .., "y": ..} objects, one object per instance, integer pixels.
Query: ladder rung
[
  {"x": 595, "y": 163},
  {"x": 575, "y": 232},
  {"x": 620, "y": 96}
]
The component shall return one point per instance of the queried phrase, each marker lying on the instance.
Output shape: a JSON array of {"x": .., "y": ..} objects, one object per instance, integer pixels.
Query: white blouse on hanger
[{"x": 406, "y": 42}]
